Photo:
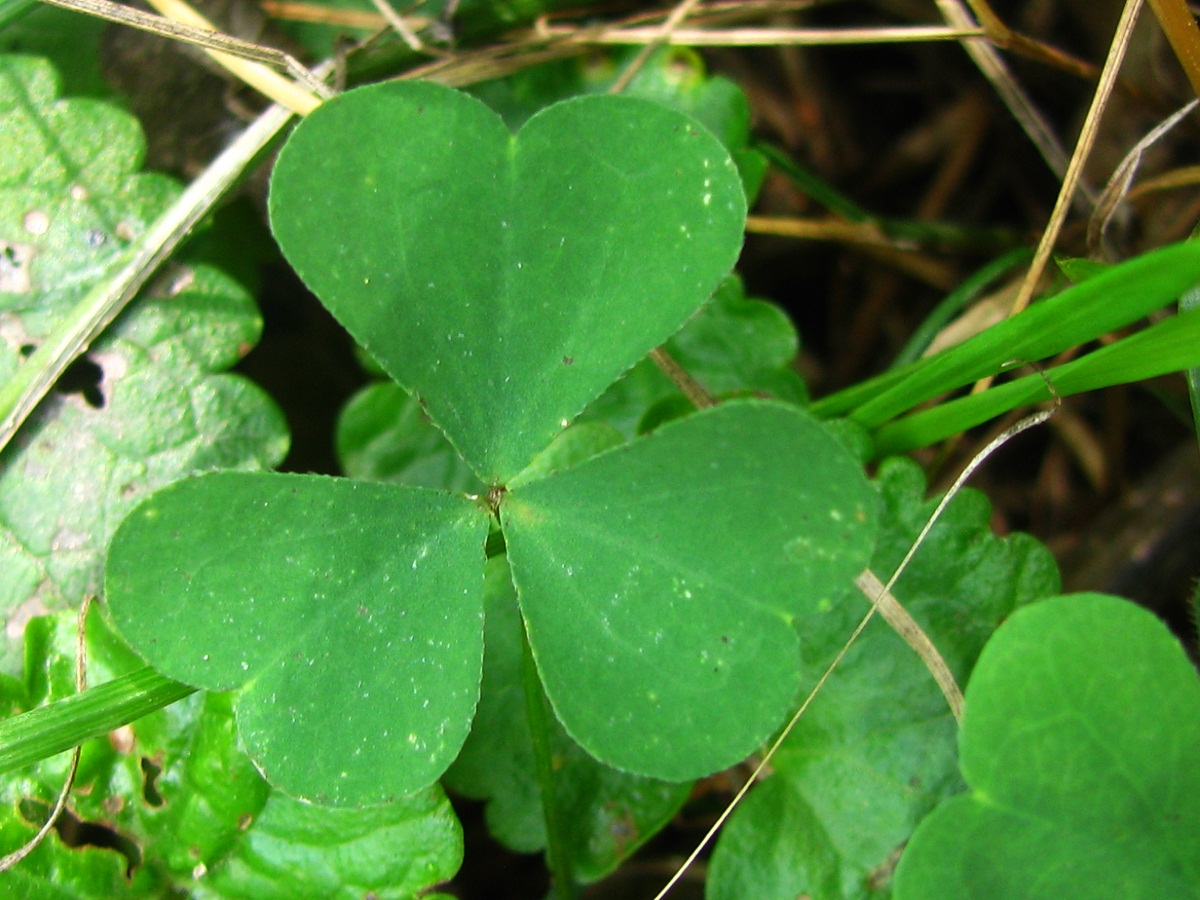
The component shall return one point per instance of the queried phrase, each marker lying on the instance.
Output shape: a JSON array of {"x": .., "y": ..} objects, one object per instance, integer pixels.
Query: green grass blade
[
  {"x": 1169, "y": 346},
  {"x": 1191, "y": 301},
  {"x": 812, "y": 184},
  {"x": 1075, "y": 316},
  {"x": 59, "y": 726},
  {"x": 956, "y": 301}
]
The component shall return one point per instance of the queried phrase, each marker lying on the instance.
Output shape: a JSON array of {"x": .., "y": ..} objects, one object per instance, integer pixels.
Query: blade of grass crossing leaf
[
  {"x": 1073, "y": 317},
  {"x": 1170, "y": 346},
  {"x": 25, "y": 389},
  {"x": 51, "y": 729},
  {"x": 73, "y": 769}
]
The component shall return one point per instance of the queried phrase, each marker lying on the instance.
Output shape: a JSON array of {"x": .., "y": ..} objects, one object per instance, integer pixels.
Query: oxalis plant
[
  {"x": 653, "y": 609},
  {"x": 506, "y": 281}
]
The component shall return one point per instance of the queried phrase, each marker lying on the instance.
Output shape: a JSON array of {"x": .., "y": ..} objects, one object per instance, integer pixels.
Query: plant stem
[
  {"x": 47, "y": 730},
  {"x": 558, "y": 857}
]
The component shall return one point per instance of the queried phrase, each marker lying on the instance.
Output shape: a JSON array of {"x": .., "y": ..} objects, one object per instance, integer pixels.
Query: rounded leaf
[
  {"x": 1081, "y": 744},
  {"x": 349, "y": 613},
  {"x": 505, "y": 280},
  {"x": 659, "y": 581}
]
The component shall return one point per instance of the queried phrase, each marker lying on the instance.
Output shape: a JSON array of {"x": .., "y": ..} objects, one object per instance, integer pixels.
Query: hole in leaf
[
  {"x": 14, "y": 267},
  {"x": 150, "y": 772},
  {"x": 83, "y": 377},
  {"x": 75, "y": 832},
  {"x": 26, "y": 350}
]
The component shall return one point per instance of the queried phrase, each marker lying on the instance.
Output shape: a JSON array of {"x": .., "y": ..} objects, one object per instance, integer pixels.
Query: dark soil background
[{"x": 1112, "y": 484}]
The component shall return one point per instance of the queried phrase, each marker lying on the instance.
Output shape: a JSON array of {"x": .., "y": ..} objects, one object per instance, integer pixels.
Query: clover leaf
[{"x": 505, "y": 281}]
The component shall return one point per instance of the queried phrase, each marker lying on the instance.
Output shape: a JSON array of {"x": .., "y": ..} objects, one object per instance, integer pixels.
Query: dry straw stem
[
  {"x": 258, "y": 76},
  {"x": 1185, "y": 176},
  {"x": 21, "y": 394},
  {"x": 244, "y": 59},
  {"x": 766, "y": 37},
  {"x": 1179, "y": 24},
  {"x": 987, "y": 60},
  {"x": 1119, "y": 184},
  {"x": 904, "y": 256},
  {"x": 658, "y": 39},
  {"x": 402, "y": 27},
  {"x": 1083, "y": 148}
]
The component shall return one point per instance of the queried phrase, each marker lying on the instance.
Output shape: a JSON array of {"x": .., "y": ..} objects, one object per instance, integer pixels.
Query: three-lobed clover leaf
[{"x": 505, "y": 281}]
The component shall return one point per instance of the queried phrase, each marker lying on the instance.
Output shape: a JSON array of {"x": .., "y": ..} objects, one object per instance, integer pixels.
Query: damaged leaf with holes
[{"x": 149, "y": 402}]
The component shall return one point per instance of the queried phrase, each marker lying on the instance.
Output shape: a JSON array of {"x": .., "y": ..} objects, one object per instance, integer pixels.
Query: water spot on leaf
[{"x": 36, "y": 222}]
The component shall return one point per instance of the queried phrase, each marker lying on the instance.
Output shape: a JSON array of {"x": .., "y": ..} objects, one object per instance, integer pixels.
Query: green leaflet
[
  {"x": 659, "y": 581},
  {"x": 505, "y": 281},
  {"x": 733, "y": 345},
  {"x": 350, "y": 612},
  {"x": 673, "y": 76},
  {"x": 1081, "y": 744}
]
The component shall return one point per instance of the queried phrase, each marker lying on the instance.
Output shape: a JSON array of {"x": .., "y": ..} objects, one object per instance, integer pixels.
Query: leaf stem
[
  {"x": 47, "y": 730},
  {"x": 558, "y": 857}
]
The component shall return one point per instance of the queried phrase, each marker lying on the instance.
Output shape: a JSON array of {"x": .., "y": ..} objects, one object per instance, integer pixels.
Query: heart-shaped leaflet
[
  {"x": 349, "y": 614},
  {"x": 1081, "y": 745},
  {"x": 505, "y": 280}
]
